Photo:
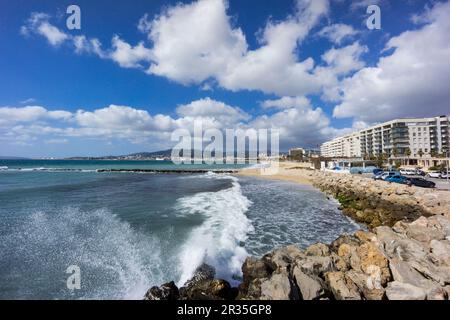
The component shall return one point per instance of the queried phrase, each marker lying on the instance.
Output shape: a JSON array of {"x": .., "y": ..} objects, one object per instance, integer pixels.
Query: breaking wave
[{"x": 219, "y": 240}]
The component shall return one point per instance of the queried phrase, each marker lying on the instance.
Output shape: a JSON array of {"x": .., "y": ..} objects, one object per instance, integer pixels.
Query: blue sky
[{"x": 312, "y": 69}]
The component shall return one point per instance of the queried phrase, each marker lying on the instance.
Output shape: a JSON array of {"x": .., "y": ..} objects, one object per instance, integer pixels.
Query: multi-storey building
[{"x": 398, "y": 138}]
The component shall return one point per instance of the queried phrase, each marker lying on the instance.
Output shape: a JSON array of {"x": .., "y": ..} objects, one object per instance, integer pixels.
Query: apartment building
[
  {"x": 413, "y": 137},
  {"x": 348, "y": 146}
]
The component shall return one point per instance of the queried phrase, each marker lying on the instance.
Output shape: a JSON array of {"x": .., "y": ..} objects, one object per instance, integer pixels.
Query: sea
[{"x": 127, "y": 231}]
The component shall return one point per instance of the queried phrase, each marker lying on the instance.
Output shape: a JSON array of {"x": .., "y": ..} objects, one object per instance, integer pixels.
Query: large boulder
[
  {"x": 167, "y": 291},
  {"x": 310, "y": 288},
  {"x": 404, "y": 291},
  {"x": 278, "y": 287},
  {"x": 216, "y": 289},
  {"x": 342, "y": 287}
]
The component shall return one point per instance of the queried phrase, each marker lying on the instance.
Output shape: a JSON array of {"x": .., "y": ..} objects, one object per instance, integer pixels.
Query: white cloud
[
  {"x": 344, "y": 60},
  {"x": 38, "y": 23},
  {"x": 128, "y": 56},
  {"x": 336, "y": 33},
  {"x": 208, "y": 108},
  {"x": 299, "y": 122},
  {"x": 12, "y": 115},
  {"x": 303, "y": 126},
  {"x": 274, "y": 67},
  {"x": 363, "y": 4},
  {"x": 412, "y": 81},
  {"x": 192, "y": 42},
  {"x": 286, "y": 103}
]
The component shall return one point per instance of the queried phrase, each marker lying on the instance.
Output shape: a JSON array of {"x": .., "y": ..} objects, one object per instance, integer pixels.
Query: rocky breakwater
[
  {"x": 379, "y": 203},
  {"x": 409, "y": 261}
]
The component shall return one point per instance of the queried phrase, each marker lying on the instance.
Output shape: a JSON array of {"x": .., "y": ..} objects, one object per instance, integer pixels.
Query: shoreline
[
  {"x": 287, "y": 171},
  {"x": 404, "y": 255}
]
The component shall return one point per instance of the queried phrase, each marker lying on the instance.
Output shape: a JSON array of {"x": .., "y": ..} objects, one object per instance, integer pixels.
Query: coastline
[
  {"x": 405, "y": 255},
  {"x": 287, "y": 171}
]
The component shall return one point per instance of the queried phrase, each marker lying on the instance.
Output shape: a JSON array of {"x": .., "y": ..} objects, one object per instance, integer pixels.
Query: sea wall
[{"x": 377, "y": 203}]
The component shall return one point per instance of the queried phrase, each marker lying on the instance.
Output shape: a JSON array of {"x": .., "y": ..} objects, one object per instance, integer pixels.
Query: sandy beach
[{"x": 287, "y": 171}]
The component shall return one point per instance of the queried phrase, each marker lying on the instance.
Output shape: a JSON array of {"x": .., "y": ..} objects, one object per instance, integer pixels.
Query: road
[{"x": 441, "y": 184}]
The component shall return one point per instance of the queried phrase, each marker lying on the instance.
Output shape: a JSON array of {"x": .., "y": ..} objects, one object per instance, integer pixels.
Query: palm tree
[
  {"x": 395, "y": 152},
  {"x": 408, "y": 153},
  {"x": 420, "y": 153}
]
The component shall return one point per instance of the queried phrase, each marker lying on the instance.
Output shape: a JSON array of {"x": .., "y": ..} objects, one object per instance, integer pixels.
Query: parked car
[
  {"x": 408, "y": 172},
  {"x": 397, "y": 179},
  {"x": 420, "y": 173},
  {"x": 377, "y": 171},
  {"x": 388, "y": 174},
  {"x": 445, "y": 175},
  {"x": 378, "y": 176},
  {"x": 434, "y": 174},
  {"x": 421, "y": 182}
]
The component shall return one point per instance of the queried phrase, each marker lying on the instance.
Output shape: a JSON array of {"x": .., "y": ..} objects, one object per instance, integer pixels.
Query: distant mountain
[
  {"x": 163, "y": 154},
  {"x": 12, "y": 158}
]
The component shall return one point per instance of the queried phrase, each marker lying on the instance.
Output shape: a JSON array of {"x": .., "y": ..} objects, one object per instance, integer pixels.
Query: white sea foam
[
  {"x": 116, "y": 261},
  {"x": 3, "y": 168},
  {"x": 218, "y": 240}
]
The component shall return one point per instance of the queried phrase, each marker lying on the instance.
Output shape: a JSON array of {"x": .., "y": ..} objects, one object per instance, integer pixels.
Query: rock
[
  {"x": 310, "y": 288},
  {"x": 365, "y": 236},
  {"x": 373, "y": 262},
  {"x": 318, "y": 249},
  {"x": 315, "y": 265},
  {"x": 167, "y": 291},
  {"x": 441, "y": 222},
  {"x": 342, "y": 287},
  {"x": 369, "y": 286},
  {"x": 437, "y": 293},
  {"x": 441, "y": 249},
  {"x": 216, "y": 289},
  {"x": 347, "y": 239},
  {"x": 447, "y": 292},
  {"x": 404, "y": 273},
  {"x": 424, "y": 234},
  {"x": 404, "y": 291},
  {"x": 277, "y": 287},
  {"x": 203, "y": 272},
  {"x": 254, "y": 268},
  {"x": 421, "y": 222},
  {"x": 280, "y": 259},
  {"x": 438, "y": 274}
]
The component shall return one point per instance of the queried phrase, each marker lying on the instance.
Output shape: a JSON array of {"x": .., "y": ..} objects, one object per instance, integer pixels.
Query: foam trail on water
[{"x": 218, "y": 240}]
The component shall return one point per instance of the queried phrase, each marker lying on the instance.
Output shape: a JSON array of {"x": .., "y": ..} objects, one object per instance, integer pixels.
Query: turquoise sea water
[{"x": 129, "y": 231}]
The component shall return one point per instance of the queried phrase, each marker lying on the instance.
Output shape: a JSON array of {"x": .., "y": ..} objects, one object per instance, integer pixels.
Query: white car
[
  {"x": 445, "y": 175},
  {"x": 408, "y": 172},
  {"x": 434, "y": 174}
]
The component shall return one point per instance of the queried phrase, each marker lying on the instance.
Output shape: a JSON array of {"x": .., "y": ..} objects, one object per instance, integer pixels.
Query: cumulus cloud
[
  {"x": 12, "y": 115},
  {"x": 225, "y": 114},
  {"x": 301, "y": 126},
  {"x": 411, "y": 81},
  {"x": 192, "y": 42},
  {"x": 128, "y": 56},
  {"x": 298, "y": 122},
  {"x": 286, "y": 102},
  {"x": 338, "y": 32}
]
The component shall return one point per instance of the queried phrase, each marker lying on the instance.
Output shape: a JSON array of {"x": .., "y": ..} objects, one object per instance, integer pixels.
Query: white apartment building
[
  {"x": 348, "y": 146},
  {"x": 413, "y": 137}
]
